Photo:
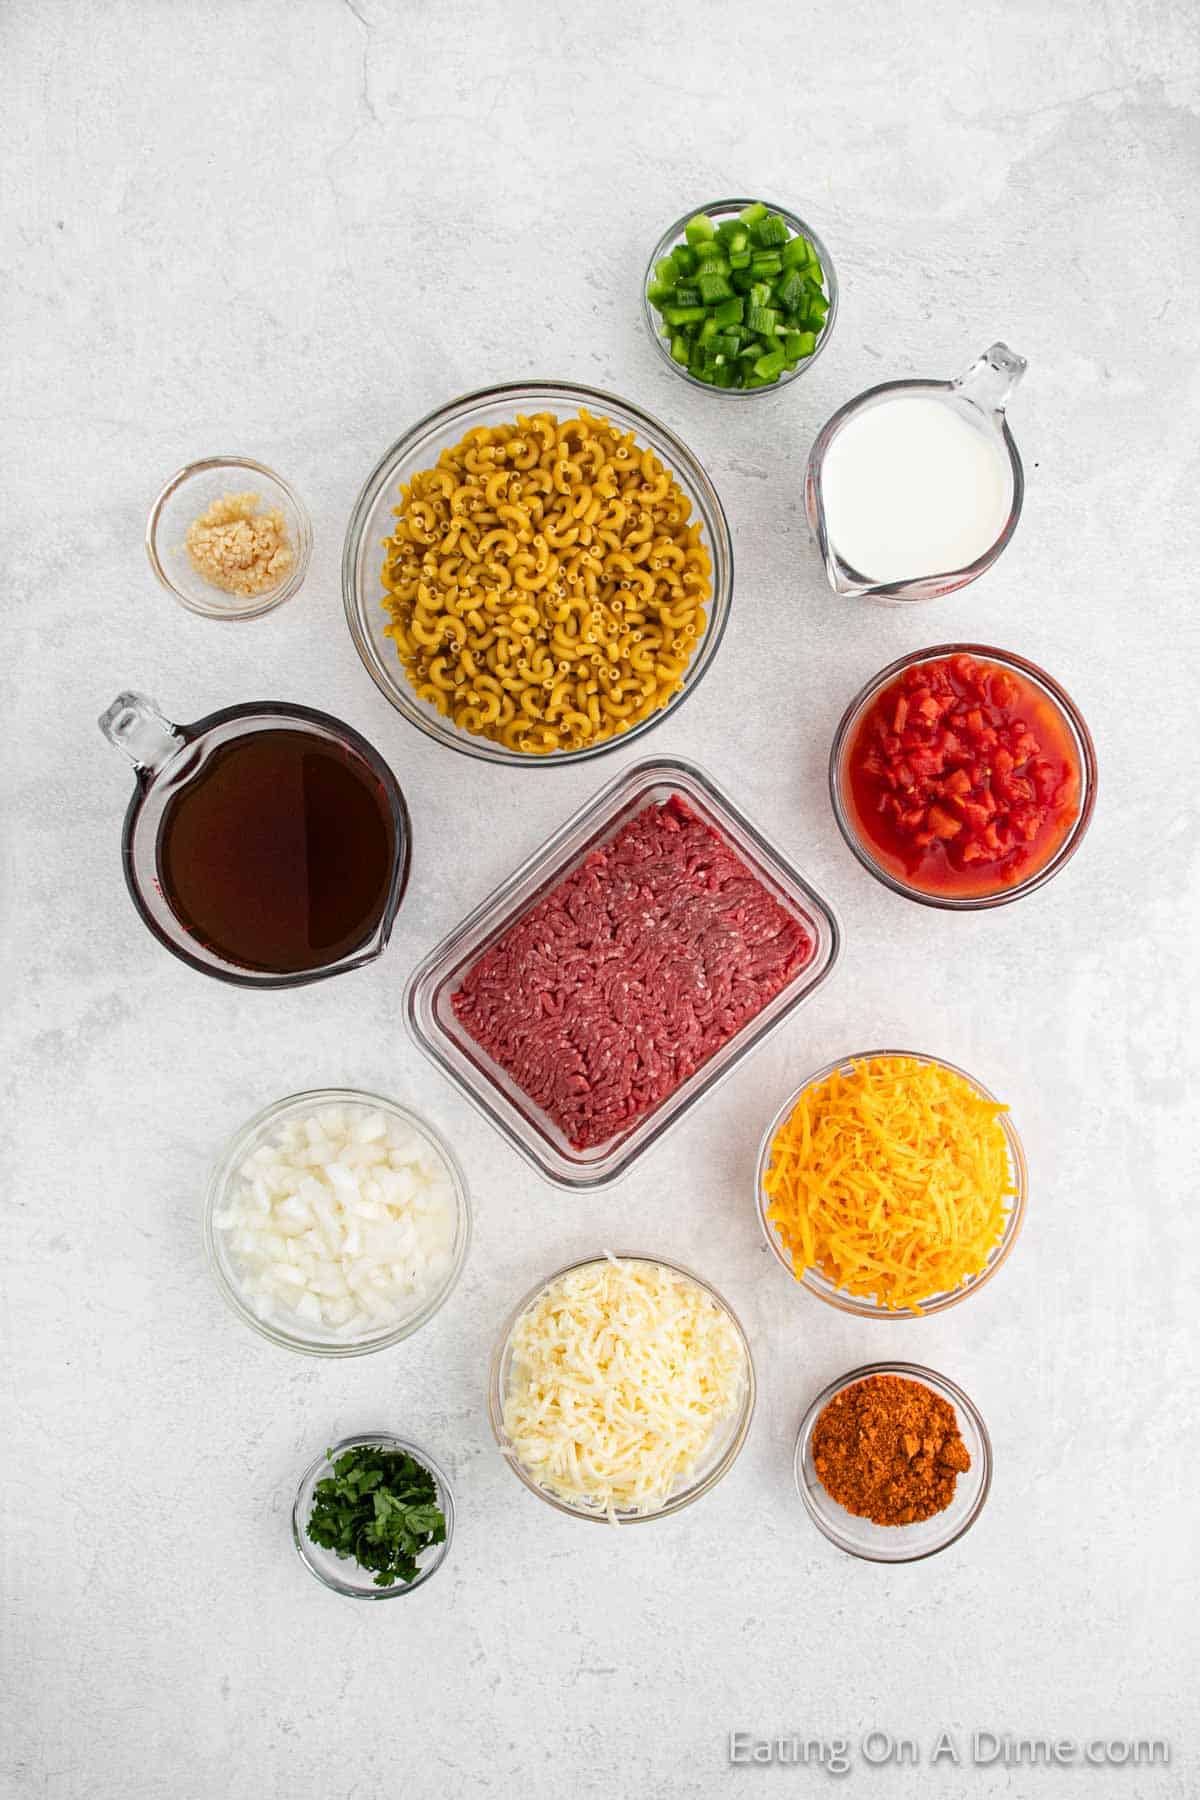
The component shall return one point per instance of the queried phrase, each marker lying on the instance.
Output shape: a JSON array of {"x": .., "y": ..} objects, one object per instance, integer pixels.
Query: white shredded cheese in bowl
[
  {"x": 624, "y": 1380},
  {"x": 340, "y": 1224}
]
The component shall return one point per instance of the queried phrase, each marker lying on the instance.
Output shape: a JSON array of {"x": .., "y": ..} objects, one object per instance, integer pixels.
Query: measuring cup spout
[
  {"x": 992, "y": 378},
  {"x": 134, "y": 724}
]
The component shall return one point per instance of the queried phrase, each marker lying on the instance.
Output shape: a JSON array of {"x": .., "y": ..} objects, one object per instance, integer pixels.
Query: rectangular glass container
[{"x": 427, "y": 998}]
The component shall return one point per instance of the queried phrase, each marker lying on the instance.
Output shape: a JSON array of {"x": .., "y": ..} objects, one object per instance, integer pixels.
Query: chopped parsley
[{"x": 379, "y": 1507}]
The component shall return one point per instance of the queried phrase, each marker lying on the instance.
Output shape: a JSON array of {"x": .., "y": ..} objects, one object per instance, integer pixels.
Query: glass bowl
[
  {"x": 429, "y": 995},
  {"x": 1080, "y": 736},
  {"x": 727, "y": 209},
  {"x": 898, "y": 1543},
  {"x": 860, "y": 1305},
  {"x": 419, "y": 448},
  {"x": 728, "y": 1437},
  {"x": 189, "y": 493},
  {"x": 341, "y": 1573},
  {"x": 323, "y": 1340}
]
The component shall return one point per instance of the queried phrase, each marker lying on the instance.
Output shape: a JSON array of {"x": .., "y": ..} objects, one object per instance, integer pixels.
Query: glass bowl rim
[
  {"x": 1076, "y": 725},
  {"x": 799, "y": 227},
  {"x": 382, "y": 1440},
  {"x": 857, "y": 1305},
  {"x": 225, "y": 1167},
  {"x": 686, "y": 1496},
  {"x": 686, "y": 465},
  {"x": 947, "y": 1389},
  {"x": 259, "y": 604}
]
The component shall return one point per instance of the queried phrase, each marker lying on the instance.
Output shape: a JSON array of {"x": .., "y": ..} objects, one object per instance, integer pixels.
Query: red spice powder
[{"x": 889, "y": 1450}]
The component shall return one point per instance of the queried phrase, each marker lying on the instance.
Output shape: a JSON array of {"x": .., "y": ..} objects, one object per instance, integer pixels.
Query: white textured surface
[{"x": 291, "y": 229}]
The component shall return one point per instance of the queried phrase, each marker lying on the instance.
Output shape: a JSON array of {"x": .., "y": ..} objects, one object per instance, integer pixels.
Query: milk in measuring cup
[{"x": 913, "y": 487}]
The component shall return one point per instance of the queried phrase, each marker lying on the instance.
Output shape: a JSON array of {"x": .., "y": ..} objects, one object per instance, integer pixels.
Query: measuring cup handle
[
  {"x": 991, "y": 378},
  {"x": 134, "y": 724}
]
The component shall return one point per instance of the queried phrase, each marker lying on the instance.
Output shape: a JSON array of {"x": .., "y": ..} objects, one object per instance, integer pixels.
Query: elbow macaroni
[{"x": 545, "y": 584}]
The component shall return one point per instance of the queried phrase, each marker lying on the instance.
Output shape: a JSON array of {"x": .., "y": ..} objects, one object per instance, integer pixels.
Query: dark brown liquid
[{"x": 278, "y": 853}]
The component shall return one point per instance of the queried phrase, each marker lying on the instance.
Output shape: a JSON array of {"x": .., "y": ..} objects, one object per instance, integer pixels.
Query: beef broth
[{"x": 278, "y": 852}]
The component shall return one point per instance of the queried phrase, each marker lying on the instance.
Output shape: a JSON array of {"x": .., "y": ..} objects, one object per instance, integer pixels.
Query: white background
[{"x": 290, "y": 230}]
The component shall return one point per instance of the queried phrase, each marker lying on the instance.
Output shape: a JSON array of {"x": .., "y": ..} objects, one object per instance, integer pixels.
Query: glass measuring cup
[
  {"x": 980, "y": 396},
  {"x": 169, "y": 761}
]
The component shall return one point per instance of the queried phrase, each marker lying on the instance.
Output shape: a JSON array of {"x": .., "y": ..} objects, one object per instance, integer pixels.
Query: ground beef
[{"x": 631, "y": 973}]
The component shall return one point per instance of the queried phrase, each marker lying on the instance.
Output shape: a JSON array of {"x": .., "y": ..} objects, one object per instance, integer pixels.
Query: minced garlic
[{"x": 238, "y": 549}]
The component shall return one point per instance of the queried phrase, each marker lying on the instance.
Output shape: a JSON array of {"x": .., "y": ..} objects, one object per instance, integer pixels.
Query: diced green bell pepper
[
  {"x": 713, "y": 288},
  {"x": 762, "y": 319},
  {"x": 771, "y": 231},
  {"x": 791, "y": 291}
]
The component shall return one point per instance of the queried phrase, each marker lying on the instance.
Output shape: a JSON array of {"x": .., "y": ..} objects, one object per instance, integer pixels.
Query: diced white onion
[{"x": 344, "y": 1220}]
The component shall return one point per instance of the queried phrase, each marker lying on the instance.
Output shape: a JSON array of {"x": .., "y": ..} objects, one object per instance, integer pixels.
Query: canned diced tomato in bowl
[{"x": 962, "y": 776}]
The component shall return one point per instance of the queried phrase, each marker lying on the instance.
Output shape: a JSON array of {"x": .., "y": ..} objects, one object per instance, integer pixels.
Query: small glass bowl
[
  {"x": 189, "y": 493},
  {"x": 861, "y": 1306},
  {"x": 323, "y": 1340},
  {"x": 419, "y": 448},
  {"x": 1071, "y": 716},
  {"x": 341, "y": 1573},
  {"x": 898, "y": 1543},
  {"x": 720, "y": 210},
  {"x": 727, "y": 1441}
]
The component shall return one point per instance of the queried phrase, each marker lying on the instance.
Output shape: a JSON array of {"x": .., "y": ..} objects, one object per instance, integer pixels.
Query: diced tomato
[
  {"x": 941, "y": 823},
  {"x": 963, "y": 776}
]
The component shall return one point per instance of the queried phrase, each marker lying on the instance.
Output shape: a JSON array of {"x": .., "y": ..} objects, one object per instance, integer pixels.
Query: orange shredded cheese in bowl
[{"x": 892, "y": 1184}]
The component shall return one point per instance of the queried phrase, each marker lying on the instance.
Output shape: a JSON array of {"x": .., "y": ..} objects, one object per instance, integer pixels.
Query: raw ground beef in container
[{"x": 611, "y": 991}]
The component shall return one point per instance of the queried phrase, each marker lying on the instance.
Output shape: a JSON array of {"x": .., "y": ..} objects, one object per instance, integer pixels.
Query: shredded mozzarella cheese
[
  {"x": 621, "y": 1374},
  {"x": 344, "y": 1222}
]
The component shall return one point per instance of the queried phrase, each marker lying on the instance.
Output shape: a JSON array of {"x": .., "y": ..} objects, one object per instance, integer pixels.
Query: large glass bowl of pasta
[{"x": 537, "y": 573}]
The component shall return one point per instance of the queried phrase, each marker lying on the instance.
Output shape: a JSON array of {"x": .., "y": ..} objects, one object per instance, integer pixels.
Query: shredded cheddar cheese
[
  {"x": 894, "y": 1181},
  {"x": 621, "y": 1373}
]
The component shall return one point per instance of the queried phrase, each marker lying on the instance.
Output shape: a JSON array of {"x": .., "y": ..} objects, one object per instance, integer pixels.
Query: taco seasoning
[{"x": 889, "y": 1450}]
